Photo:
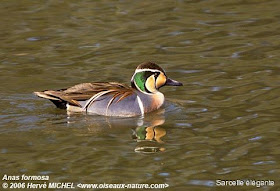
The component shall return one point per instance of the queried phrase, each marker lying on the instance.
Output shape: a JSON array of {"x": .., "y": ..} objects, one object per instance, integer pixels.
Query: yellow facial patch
[
  {"x": 150, "y": 83},
  {"x": 161, "y": 79}
]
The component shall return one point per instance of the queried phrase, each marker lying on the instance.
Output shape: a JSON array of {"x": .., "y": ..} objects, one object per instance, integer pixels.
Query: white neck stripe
[{"x": 141, "y": 106}]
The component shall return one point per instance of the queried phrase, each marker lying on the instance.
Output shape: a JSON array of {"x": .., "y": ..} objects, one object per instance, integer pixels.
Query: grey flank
[{"x": 126, "y": 107}]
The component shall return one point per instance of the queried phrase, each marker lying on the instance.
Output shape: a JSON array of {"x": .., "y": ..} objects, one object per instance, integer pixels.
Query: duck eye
[{"x": 156, "y": 75}]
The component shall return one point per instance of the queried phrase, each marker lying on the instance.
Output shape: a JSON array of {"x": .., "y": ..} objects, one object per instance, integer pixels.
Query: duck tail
[{"x": 53, "y": 98}]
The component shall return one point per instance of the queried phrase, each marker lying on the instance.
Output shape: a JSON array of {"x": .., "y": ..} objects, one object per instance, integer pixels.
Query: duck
[{"x": 113, "y": 98}]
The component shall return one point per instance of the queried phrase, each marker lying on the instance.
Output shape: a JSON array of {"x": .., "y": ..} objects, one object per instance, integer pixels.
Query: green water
[{"x": 222, "y": 124}]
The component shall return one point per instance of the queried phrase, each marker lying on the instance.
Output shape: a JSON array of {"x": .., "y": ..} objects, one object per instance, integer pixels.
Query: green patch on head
[{"x": 139, "y": 80}]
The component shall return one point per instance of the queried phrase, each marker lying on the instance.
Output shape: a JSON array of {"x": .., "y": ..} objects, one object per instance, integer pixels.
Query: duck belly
[{"x": 127, "y": 107}]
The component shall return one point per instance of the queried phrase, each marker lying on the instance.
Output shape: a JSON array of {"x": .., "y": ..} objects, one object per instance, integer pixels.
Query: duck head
[{"x": 149, "y": 77}]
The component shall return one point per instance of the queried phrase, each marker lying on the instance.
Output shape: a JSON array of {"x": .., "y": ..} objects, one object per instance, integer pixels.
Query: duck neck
[{"x": 151, "y": 101}]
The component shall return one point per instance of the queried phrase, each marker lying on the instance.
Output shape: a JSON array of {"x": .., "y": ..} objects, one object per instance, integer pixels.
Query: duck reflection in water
[
  {"x": 146, "y": 130},
  {"x": 148, "y": 136}
]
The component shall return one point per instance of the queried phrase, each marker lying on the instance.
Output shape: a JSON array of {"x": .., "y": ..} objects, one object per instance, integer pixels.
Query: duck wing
[{"x": 86, "y": 91}]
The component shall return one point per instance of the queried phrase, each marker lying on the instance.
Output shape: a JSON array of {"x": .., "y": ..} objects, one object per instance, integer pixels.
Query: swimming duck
[{"x": 115, "y": 99}]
